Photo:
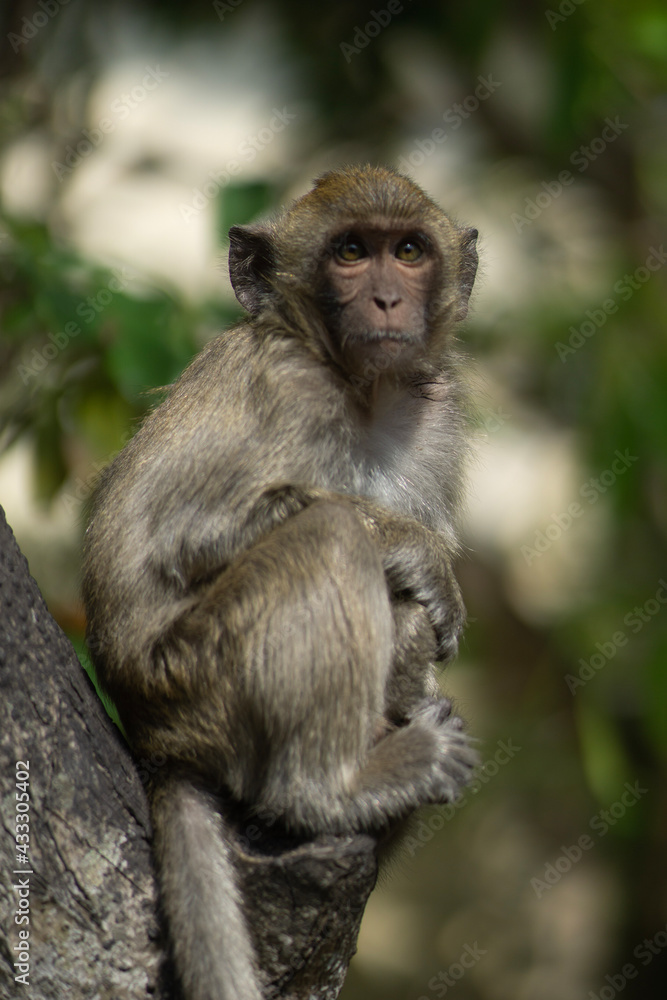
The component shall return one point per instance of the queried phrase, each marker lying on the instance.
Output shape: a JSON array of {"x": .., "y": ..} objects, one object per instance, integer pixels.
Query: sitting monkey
[{"x": 268, "y": 569}]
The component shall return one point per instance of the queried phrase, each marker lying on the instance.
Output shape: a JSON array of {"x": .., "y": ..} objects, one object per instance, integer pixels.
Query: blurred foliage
[{"x": 81, "y": 348}]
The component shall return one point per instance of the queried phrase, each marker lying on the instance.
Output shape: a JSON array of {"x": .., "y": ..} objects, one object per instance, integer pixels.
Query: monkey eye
[
  {"x": 409, "y": 250},
  {"x": 350, "y": 250}
]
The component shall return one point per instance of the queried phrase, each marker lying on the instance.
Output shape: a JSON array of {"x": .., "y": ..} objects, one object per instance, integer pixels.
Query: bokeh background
[{"x": 133, "y": 134}]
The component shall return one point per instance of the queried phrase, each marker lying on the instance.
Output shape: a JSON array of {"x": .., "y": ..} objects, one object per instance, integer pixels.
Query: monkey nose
[{"x": 386, "y": 301}]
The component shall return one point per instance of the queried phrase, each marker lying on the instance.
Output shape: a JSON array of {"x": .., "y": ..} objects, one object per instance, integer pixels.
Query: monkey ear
[
  {"x": 467, "y": 269},
  {"x": 251, "y": 262}
]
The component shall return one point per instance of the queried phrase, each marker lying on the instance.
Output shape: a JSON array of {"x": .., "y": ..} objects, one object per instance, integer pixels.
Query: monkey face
[
  {"x": 365, "y": 268},
  {"x": 377, "y": 282}
]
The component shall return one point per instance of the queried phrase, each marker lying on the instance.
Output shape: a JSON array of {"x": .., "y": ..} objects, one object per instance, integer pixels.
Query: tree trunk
[{"x": 78, "y": 899}]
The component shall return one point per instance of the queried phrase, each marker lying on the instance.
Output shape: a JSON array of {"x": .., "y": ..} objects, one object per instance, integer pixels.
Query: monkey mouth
[
  {"x": 376, "y": 342},
  {"x": 381, "y": 335},
  {"x": 381, "y": 349}
]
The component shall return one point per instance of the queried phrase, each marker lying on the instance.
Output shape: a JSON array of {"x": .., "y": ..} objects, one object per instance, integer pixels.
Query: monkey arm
[
  {"x": 413, "y": 675},
  {"x": 418, "y": 565}
]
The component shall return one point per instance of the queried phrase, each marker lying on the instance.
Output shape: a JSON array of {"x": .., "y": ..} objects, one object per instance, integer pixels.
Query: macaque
[{"x": 268, "y": 569}]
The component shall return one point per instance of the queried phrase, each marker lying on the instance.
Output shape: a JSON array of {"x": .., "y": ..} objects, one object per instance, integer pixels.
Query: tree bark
[{"x": 79, "y": 909}]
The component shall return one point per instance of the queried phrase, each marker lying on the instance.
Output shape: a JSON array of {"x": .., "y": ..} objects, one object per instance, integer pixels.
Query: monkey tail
[{"x": 212, "y": 948}]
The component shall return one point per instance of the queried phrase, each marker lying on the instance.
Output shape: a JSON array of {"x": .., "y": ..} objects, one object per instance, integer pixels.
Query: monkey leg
[
  {"x": 414, "y": 701},
  {"x": 417, "y": 562},
  {"x": 303, "y": 633}
]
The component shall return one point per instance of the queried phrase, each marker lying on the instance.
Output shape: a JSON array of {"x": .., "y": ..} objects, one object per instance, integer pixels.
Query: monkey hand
[
  {"x": 441, "y": 598},
  {"x": 417, "y": 562},
  {"x": 453, "y": 757},
  {"x": 418, "y": 568}
]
